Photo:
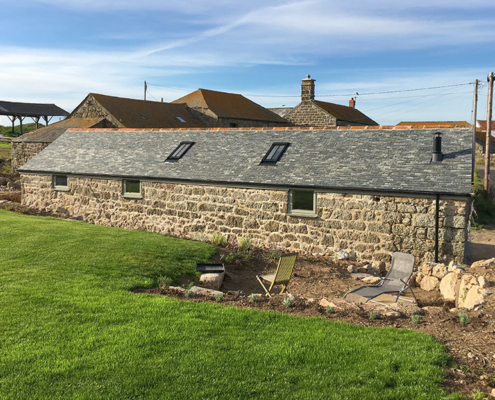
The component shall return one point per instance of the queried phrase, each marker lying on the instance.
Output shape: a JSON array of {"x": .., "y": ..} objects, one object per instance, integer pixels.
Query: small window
[
  {"x": 131, "y": 188},
  {"x": 60, "y": 182},
  {"x": 179, "y": 151},
  {"x": 233, "y": 125},
  {"x": 302, "y": 202},
  {"x": 275, "y": 153},
  {"x": 180, "y": 119}
]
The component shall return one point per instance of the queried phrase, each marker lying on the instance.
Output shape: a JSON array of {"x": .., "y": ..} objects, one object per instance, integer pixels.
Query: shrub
[
  {"x": 330, "y": 310},
  {"x": 415, "y": 318},
  {"x": 374, "y": 314},
  {"x": 274, "y": 254},
  {"x": 253, "y": 298},
  {"x": 189, "y": 293},
  {"x": 463, "y": 318},
  {"x": 287, "y": 302},
  {"x": 244, "y": 244},
  {"x": 218, "y": 239},
  {"x": 483, "y": 204},
  {"x": 219, "y": 296},
  {"x": 164, "y": 282}
]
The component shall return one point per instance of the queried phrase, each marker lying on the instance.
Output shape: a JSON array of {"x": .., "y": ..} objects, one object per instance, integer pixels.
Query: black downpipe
[{"x": 437, "y": 218}]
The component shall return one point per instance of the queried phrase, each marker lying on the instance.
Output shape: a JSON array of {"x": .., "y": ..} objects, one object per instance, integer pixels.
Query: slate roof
[
  {"x": 31, "y": 109},
  {"x": 134, "y": 113},
  {"x": 345, "y": 113},
  {"x": 345, "y": 159},
  {"x": 228, "y": 105},
  {"x": 48, "y": 134}
]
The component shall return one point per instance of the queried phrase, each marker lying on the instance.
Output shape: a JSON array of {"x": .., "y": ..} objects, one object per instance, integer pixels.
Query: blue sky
[{"x": 58, "y": 51}]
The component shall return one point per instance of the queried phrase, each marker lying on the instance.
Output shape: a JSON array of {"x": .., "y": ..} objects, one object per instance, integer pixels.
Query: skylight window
[
  {"x": 275, "y": 153},
  {"x": 179, "y": 152},
  {"x": 180, "y": 119}
]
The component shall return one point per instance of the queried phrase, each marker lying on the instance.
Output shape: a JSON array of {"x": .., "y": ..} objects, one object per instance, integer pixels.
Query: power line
[{"x": 335, "y": 95}]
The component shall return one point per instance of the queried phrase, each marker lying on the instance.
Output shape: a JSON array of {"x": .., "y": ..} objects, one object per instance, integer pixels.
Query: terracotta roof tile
[{"x": 228, "y": 105}]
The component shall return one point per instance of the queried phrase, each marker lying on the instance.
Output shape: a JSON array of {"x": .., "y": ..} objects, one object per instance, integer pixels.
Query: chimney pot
[{"x": 352, "y": 102}]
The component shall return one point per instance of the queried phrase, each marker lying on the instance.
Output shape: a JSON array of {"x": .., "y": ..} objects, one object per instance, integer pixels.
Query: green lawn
[
  {"x": 71, "y": 329},
  {"x": 5, "y": 145}
]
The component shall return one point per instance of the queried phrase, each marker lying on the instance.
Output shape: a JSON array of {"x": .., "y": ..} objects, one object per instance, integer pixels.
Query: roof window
[
  {"x": 180, "y": 119},
  {"x": 275, "y": 153},
  {"x": 181, "y": 149}
]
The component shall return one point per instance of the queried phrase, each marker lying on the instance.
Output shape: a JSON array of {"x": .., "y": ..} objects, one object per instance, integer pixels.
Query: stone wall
[
  {"x": 22, "y": 152},
  {"x": 368, "y": 227},
  {"x": 309, "y": 114},
  {"x": 90, "y": 108}
]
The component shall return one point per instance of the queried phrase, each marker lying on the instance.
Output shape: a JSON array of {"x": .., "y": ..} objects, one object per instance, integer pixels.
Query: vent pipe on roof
[{"x": 437, "y": 148}]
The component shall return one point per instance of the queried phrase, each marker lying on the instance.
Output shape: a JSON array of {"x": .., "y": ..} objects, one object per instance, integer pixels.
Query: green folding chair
[{"x": 282, "y": 275}]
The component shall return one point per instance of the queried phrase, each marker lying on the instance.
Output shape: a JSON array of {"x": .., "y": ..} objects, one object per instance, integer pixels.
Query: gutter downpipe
[{"x": 437, "y": 220}]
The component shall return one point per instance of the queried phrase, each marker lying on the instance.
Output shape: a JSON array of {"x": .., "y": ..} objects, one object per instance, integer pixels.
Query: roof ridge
[{"x": 277, "y": 128}]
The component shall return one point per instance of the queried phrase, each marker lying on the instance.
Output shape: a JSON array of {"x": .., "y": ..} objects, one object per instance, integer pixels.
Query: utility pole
[
  {"x": 488, "y": 130},
  {"x": 475, "y": 108},
  {"x": 145, "y": 89}
]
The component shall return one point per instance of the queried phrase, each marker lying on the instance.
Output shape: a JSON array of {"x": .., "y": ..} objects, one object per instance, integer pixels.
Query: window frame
[
  {"x": 60, "y": 188},
  {"x": 172, "y": 158},
  {"x": 272, "y": 161},
  {"x": 299, "y": 212},
  {"x": 131, "y": 195}
]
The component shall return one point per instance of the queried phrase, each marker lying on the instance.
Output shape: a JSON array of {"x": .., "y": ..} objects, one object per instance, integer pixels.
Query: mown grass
[
  {"x": 5, "y": 145},
  {"x": 72, "y": 329}
]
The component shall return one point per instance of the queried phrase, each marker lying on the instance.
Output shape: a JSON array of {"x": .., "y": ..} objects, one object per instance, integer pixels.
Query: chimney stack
[
  {"x": 352, "y": 102},
  {"x": 307, "y": 89},
  {"x": 437, "y": 148}
]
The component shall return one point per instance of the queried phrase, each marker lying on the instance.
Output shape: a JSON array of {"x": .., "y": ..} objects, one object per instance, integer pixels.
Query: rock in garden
[
  {"x": 483, "y": 263},
  {"x": 361, "y": 275},
  {"x": 482, "y": 282},
  {"x": 343, "y": 255},
  {"x": 204, "y": 291},
  {"x": 439, "y": 271},
  {"x": 326, "y": 303},
  {"x": 419, "y": 278},
  {"x": 448, "y": 285},
  {"x": 380, "y": 266},
  {"x": 212, "y": 280},
  {"x": 352, "y": 269},
  {"x": 427, "y": 269},
  {"x": 371, "y": 280},
  {"x": 3, "y": 181},
  {"x": 429, "y": 283}
]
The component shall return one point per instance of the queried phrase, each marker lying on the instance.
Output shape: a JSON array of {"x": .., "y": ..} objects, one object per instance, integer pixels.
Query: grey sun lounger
[{"x": 395, "y": 281}]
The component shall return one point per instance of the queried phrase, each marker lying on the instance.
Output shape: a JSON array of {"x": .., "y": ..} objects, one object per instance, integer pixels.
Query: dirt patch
[{"x": 471, "y": 345}]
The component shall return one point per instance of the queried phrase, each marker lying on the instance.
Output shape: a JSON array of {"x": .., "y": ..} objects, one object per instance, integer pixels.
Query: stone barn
[{"x": 367, "y": 191}]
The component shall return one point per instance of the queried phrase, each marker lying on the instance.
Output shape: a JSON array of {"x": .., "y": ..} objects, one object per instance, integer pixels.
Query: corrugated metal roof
[
  {"x": 147, "y": 114},
  {"x": 48, "y": 134},
  {"x": 31, "y": 109},
  {"x": 229, "y": 105},
  {"x": 345, "y": 159},
  {"x": 345, "y": 113}
]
